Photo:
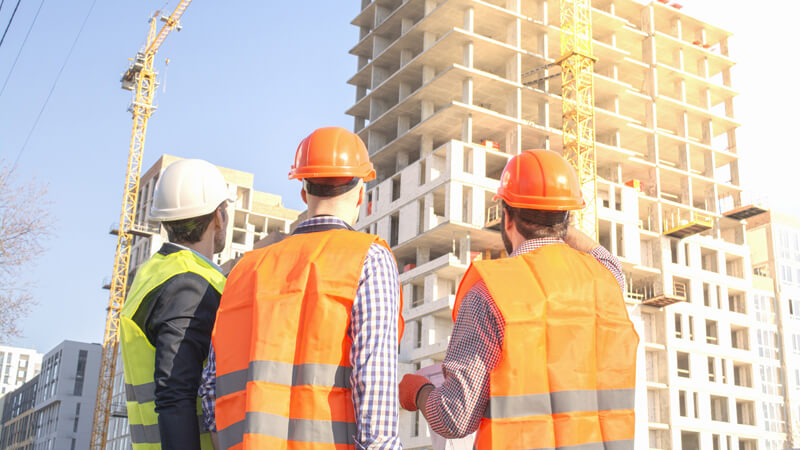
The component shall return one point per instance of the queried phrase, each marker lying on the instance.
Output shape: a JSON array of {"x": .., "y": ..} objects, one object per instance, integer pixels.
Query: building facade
[
  {"x": 253, "y": 217},
  {"x": 17, "y": 366},
  {"x": 774, "y": 240},
  {"x": 19, "y": 428},
  {"x": 448, "y": 90},
  {"x": 65, "y": 396}
]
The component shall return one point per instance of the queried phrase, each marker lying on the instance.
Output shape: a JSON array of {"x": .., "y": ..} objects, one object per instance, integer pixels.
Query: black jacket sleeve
[{"x": 179, "y": 325}]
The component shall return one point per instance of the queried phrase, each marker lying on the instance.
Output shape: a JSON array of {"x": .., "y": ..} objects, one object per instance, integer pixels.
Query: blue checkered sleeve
[
  {"x": 373, "y": 355},
  {"x": 208, "y": 390}
]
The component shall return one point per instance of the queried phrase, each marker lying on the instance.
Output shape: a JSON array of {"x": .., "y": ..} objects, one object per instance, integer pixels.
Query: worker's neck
[
  {"x": 204, "y": 247},
  {"x": 332, "y": 210}
]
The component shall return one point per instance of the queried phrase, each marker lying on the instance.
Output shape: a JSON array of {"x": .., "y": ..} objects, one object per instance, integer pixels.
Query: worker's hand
[{"x": 410, "y": 386}]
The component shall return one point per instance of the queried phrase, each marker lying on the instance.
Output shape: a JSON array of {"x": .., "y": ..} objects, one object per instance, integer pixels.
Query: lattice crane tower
[
  {"x": 577, "y": 103},
  {"x": 140, "y": 78}
]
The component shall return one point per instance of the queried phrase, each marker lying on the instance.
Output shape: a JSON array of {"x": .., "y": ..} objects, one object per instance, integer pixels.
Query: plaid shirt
[
  {"x": 456, "y": 407},
  {"x": 373, "y": 355}
]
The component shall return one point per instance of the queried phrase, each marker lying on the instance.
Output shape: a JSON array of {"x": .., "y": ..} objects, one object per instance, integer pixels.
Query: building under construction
[
  {"x": 448, "y": 90},
  {"x": 253, "y": 217}
]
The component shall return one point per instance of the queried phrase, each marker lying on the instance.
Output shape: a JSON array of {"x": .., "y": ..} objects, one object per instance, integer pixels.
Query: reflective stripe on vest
[
  {"x": 282, "y": 345},
  {"x": 138, "y": 354},
  {"x": 566, "y": 375}
]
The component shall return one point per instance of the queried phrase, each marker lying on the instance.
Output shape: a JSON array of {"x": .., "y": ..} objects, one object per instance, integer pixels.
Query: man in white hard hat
[{"x": 167, "y": 319}]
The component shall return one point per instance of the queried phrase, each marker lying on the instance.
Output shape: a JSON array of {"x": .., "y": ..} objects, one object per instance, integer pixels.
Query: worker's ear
[
  {"x": 220, "y": 214},
  {"x": 303, "y": 195},
  {"x": 508, "y": 222},
  {"x": 361, "y": 195}
]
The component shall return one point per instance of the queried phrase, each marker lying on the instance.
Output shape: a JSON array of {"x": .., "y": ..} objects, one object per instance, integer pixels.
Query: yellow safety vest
[{"x": 138, "y": 354}]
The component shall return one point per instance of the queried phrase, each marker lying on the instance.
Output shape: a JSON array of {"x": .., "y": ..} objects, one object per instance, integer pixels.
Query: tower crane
[
  {"x": 141, "y": 79},
  {"x": 577, "y": 103}
]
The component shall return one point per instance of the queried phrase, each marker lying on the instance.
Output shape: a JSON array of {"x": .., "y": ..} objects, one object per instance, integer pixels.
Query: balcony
[{"x": 663, "y": 299}]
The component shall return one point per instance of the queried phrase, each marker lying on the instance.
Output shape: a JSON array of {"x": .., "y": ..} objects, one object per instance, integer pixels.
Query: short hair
[
  {"x": 190, "y": 230},
  {"x": 329, "y": 187},
  {"x": 537, "y": 223}
]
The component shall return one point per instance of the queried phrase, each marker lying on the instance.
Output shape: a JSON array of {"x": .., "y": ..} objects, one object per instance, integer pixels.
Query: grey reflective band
[
  {"x": 301, "y": 430},
  {"x": 145, "y": 434},
  {"x": 140, "y": 393},
  {"x": 559, "y": 402},
  {"x": 608, "y": 445},
  {"x": 326, "y": 375}
]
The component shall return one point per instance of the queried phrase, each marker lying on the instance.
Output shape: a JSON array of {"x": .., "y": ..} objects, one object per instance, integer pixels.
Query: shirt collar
[
  {"x": 323, "y": 220},
  {"x": 532, "y": 244},
  {"x": 201, "y": 256}
]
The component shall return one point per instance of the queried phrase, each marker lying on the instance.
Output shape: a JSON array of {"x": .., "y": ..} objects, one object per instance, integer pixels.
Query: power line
[
  {"x": 53, "y": 87},
  {"x": 1, "y": 4},
  {"x": 13, "y": 13},
  {"x": 30, "y": 28}
]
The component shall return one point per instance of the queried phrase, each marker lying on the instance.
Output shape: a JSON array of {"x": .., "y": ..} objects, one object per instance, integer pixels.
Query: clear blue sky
[{"x": 247, "y": 80}]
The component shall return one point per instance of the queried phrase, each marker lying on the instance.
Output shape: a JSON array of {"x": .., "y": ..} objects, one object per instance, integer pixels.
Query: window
[
  {"x": 719, "y": 408},
  {"x": 683, "y": 365},
  {"x": 739, "y": 338},
  {"x": 77, "y": 416},
  {"x": 678, "y": 326},
  {"x": 80, "y": 373},
  {"x": 682, "y": 403},
  {"x": 745, "y": 413},
  {"x": 711, "y": 332},
  {"x": 742, "y": 374},
  {"x": 395, "y": 188},
  {"x": 691, "y": 327},
  {"x": 712, "y": 373},
  {"x": 422, "y": 172}
]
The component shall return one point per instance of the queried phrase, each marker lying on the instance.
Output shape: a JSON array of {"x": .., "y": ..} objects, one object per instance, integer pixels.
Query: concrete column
[
  {"x": 513, "y": 65},
  {"x": 406, "y": 56},
  {"x": 425, "y": 149},
  {"x": 427, "y": 109},
  {"x": 514, "y": 104},
  {"x": 405, "y": 25},
  {"x": 677, "y": 28},
  {"x": 401, "y": 161},
  {"x": 428, "y": 39},
  {"x": 465, "y": 249},
  {"x": 428, "y": 73},
  {"x": 469, "y": 19},
  {"x": 468, "y": 58},
  {"x": 466, "y": 129},
  {"x": 514, "y": 33},
  {"x": 423, "y": 255},
  {"x": 544, "y": 113},
  {"x": 403, "y": 91},
  {"x": 429, "y": 6},
  {"x": 542, "y": 12},
  {"x": 358, "y": 123},
  {"x": 467, "y": 91},
  {"x": 403, "y": 124},
  {"x": 513, "y": 143},
  {"x": 513, "y": 5},
  {"x": 683, "y": 125}
]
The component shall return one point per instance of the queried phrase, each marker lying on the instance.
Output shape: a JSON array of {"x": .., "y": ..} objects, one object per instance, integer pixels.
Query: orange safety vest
[
  {"x": 567, "y": 371},
  {"x": 281, "y": 343}
]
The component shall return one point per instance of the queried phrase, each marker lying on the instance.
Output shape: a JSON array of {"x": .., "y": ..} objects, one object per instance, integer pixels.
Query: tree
[{"x": 24, "y": 224}]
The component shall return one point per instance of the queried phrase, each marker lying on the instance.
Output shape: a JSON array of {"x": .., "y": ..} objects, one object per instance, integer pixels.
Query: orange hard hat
[
  {"x": 332, "y": 152},
  {"x": 540, "y": 179}
]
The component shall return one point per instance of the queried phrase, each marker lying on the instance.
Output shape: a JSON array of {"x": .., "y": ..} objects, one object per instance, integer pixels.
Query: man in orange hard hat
[
  {"x": 543, "y": 353},
  {"x": 305, "y": 342}
]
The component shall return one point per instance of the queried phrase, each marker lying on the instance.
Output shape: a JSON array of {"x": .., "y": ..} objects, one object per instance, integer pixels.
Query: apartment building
[
  {"x": 448, "y": 90},
  {"x": 774, "y": 240},
  {"x": 17, "y": 366},
  {"x": 253, "y": 217},
  {"x": 19, "y": 428},
  {"x": 65, "y": 396}
]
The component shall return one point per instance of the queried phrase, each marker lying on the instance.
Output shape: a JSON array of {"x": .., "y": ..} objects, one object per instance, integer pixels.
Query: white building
[
  {"x": 443, "y": 101},
  {"x": 253, "y": 217},
  {"x": 17, "y": 365}
]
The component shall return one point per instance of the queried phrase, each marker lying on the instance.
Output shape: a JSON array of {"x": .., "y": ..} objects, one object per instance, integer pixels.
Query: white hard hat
[{"x": 188, "y": 188}]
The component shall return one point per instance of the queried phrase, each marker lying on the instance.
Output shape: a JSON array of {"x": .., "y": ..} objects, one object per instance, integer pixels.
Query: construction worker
[
  {"x": 304, "y": 352},
  {"x": 167, "y": 319},
  {"x": 543, "y": 353}
]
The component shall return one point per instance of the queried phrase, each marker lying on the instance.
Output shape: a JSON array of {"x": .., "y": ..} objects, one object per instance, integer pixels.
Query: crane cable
[
  {"x": 14, "y": 64},
  {"x": 13, "y": 13},
  {"x": 53, "y": 87}
]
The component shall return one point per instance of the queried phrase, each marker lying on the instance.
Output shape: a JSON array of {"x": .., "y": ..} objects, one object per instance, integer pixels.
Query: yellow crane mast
[
  {"x": 577, "y": 103},
  {"x": 140, "y": 78}
]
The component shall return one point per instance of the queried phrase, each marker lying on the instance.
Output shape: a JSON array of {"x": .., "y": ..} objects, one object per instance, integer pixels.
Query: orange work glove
[{"x": 409, "y": 388}]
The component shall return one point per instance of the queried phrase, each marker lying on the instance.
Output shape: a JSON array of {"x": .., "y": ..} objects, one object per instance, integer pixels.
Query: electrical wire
[
  {"x": 1, "y": 4},
  {"x": 53, "y": 87},
  {"x": 13, "y": 13},
  {"x": 14, "y": 64}
]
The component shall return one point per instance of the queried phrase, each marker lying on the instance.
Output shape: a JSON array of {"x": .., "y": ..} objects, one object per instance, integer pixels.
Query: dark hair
[
  {"x": 321, "y": 187},
  {"x": 190, "y": 230},
  {"x": 537, "y": 223}
]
